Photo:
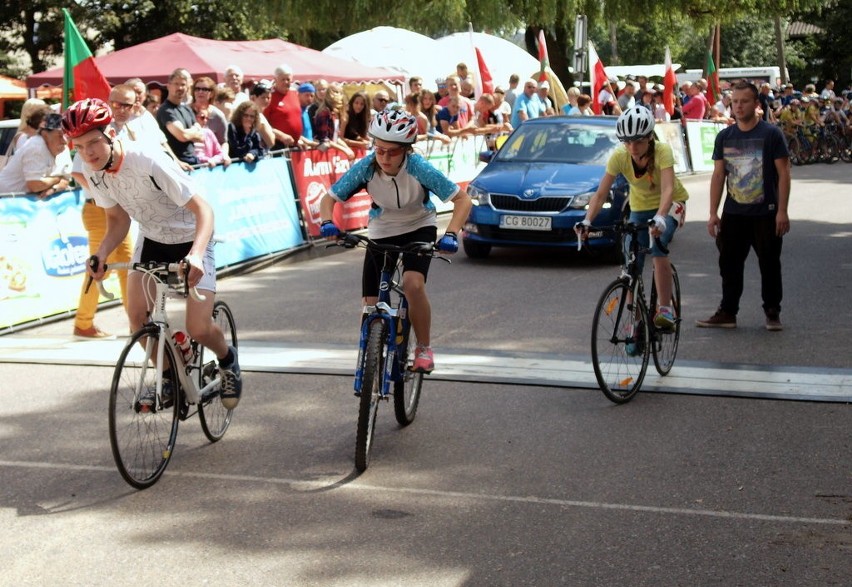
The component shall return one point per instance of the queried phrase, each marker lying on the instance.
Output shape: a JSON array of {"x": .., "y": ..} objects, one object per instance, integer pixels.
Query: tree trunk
[
  {"x": 779, "y": 48},
  {"x": 613, "y": 40}
]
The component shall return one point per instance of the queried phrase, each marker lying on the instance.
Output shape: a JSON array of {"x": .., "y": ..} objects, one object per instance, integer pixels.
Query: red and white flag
[
  {"x": 599, "y": 78},
  {"x": 484, "y": 81},
  {"x": 542, "y": 56},
  {"x": 669, "y": 84}
]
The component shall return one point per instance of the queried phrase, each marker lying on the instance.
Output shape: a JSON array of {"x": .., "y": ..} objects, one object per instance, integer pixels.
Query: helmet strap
[{"x": 111, "y": 159}]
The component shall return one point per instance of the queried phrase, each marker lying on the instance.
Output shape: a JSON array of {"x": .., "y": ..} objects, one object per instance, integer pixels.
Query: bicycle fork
[{"x": 381, "y": 311}]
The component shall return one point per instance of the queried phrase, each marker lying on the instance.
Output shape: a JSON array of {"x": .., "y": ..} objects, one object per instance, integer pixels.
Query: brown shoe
[
  {"x": 773, "y": 322},
  {"x": 92, "y": 333},
  {"x": 720, "y": 319}
]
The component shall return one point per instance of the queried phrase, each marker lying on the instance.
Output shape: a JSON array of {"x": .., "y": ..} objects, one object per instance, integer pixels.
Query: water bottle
[{"x": 183, "y": 345}]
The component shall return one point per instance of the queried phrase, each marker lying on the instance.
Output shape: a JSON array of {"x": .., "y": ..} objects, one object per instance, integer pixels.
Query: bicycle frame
[
  {"x": 163, "y": 290},
  {"x": 396, "y": 322}
]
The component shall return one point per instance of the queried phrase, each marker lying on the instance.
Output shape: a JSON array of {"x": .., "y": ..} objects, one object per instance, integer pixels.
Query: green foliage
[{"x": 643, "y": 27}]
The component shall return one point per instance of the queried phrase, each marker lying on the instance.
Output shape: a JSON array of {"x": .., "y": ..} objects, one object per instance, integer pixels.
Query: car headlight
[
  {"x": 581, "y": 201},
  {"x": 479, "y": 197}
]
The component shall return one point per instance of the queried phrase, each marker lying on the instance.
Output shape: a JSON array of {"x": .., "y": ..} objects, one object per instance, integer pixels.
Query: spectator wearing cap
[
  {"x": 32, "y": 168},
  {"x": 787, "y": 95},
  {"x": 234, "y": 81},
  {"x": 380, "y": 101},
  {"x": 606, "y": 98},
  {"x": 546, "y": 102},
  {"x": 441, "y": 84},
  {"x": 306, "y": 92},
  {"x": 284, "y": 112},
  {"x": 261, "y": 96}
]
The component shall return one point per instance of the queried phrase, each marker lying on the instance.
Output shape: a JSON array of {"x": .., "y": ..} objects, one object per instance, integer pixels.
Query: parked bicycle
[
  {"x": 623, "y": 332},
  {"x": 159, "y": 381},
  {"x": 386, "y": 346}
]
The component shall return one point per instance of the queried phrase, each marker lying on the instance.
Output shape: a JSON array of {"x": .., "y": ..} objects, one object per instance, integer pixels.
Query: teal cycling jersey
[{"x": 401, "y": 202}]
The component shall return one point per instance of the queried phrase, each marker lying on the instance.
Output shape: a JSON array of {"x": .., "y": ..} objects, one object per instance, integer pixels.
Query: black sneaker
[
  {"x": 773, "y": 321},
  {"x": 720, "y": 319},
  {"x": 232, "y": 382}
]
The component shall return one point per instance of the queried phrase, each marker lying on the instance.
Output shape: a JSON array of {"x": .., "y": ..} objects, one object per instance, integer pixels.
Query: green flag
[
  {"x": 712, "y": 79},
  {"x": 82, "y": 77}
]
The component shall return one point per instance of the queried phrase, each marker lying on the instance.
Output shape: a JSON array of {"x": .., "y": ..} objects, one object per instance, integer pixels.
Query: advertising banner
[
  {"x": 43, "y": 253},
  {"x": 314, "y": 172},
  {"x": 255, "y": 209},
  {"x": 701, "y": 136},
  {"x": 671, "y": 133}
]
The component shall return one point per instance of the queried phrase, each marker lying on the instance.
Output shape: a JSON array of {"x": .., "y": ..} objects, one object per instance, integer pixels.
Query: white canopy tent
[
  {"x": 655, "y": 70},
  {"x": 397, "y": 49},
  {"x": 502, "y": 57},
  {"x": 413, "y": 54}
]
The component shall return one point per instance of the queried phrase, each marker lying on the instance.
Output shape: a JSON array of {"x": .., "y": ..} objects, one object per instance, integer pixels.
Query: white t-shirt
[
  {"x": 31, "y": 162},
  {"x": 152, "y": 189}
]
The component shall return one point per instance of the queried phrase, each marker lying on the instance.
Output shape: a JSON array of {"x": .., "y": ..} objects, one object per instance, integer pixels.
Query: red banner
[{"x": 315, "y": 172}]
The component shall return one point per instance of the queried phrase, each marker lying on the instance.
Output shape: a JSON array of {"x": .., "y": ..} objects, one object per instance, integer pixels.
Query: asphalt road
[{"x": 493, "y": 484}]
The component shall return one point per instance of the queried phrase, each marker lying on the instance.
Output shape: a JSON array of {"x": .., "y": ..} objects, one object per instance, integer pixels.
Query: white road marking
[
  {"x": 545, "y": 369},
  {"x": 331, "y": 485}
]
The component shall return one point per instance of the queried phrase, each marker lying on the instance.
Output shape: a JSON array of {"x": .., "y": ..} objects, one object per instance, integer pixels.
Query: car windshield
[{"x": 560, "y": 142}]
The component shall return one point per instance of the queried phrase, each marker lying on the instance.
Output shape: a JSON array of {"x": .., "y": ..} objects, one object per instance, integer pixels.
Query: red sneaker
[{"x": 424, "y": 362}]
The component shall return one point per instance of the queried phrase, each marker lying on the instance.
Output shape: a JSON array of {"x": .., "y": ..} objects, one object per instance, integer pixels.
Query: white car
[{"x": 8, "y": 129}]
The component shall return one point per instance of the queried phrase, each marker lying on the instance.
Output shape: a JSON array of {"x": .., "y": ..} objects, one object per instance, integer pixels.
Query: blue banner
[{"x": 255, "y": 208}]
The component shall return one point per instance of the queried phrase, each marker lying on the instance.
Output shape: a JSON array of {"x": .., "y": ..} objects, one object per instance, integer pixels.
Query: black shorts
[
  {"x": 163, "y": 253},
  {"x": 373, "y": 260}
]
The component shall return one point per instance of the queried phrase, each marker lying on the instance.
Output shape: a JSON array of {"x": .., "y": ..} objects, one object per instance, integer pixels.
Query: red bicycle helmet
[{"x": 86, "y": 115}]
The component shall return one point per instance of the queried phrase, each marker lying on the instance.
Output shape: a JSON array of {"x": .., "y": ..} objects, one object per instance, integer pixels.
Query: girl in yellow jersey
[{"x": 655, "y": 193}]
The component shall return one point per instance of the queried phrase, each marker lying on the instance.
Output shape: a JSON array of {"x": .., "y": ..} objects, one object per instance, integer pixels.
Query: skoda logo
[{"x": 529, "y": 194}]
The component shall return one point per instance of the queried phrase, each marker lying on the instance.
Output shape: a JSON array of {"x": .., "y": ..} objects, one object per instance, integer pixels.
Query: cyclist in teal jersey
[{"x": 400, "y": 181}]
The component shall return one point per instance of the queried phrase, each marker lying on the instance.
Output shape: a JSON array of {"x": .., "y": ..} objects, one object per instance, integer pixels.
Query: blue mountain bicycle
[{"x": 386, "y": 347}]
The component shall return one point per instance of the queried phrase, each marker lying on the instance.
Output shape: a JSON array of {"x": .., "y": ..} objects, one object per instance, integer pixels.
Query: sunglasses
[
  {"x": 389, "y": 152},
  {"x": 630, "y": 141},
  {"x": 121, "y": 105},
  {"x": 203, "y": 89}
]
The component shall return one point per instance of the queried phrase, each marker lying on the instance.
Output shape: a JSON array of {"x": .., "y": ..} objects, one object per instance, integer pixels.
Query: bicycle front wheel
[
  {"x": 619, "y": 343},
  {"x": 214, "y": 417},
  {"x": 371, "y": 387},
  {"x": 142, "y": 437},
  {"x": 664, "y": 345},
  {"x": 406, "y": 390}
]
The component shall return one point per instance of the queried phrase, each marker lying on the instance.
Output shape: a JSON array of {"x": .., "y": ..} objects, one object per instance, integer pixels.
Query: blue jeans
[{"x": 642, "y": 218}]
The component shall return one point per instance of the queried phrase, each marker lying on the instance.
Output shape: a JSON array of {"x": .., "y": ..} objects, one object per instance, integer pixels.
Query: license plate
[{"x": 525, "y": 222}]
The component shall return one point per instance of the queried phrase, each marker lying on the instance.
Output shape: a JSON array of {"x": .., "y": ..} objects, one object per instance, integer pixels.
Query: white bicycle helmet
[
  {"x": 394, "y": 126},
  {"x": 634, "y": 123}
]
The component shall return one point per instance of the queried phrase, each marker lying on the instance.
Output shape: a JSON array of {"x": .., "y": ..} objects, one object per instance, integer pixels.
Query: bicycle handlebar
[
  {"x": 630, "y": 228},
  {"x": 350, "y": 240},
  {"x": 151, "y": 267}
]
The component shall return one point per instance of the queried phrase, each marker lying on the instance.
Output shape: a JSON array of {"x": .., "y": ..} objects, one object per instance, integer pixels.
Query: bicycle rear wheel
[
  {"x": 794, "y": 146},
  {"x": 406, "y": 391},
  {"x": 664, "y": 345},
  {"x": 619, "y": 343},
  {"x": 142, "y": 438},
  {"x": 370, "y": 393},
  {"x": 214, "y": 417}
]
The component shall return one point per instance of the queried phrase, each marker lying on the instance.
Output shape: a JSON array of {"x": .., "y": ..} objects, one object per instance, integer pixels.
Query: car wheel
[{"x": 475, "y": 250}]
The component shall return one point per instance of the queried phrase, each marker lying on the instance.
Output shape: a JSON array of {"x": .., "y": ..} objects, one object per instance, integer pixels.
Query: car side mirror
[{"x": 486, "y": 156}]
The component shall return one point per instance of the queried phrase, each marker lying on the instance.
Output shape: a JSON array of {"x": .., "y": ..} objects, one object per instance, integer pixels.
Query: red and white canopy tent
[{"x": 155, "y": 60}]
